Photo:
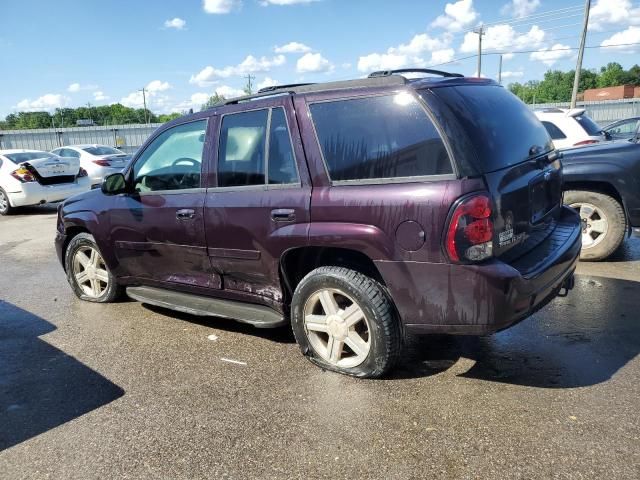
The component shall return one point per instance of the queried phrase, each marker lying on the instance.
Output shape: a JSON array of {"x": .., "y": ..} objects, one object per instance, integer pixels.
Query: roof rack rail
[
  {"x": 386, "y": 73},
  {"x": 255, "y": 96},
  {"x": 273, "y": 88}
]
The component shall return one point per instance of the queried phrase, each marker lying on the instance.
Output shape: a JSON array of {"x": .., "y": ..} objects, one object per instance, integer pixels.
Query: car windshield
[
  {"x": 103, "y": 150},
  {"x": 588, "y": 125},
  {"x": 20, "y": 157}
]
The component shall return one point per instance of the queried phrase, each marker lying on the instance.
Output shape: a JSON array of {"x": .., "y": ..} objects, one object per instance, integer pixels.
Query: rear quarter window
[
  {"x": 554, "y": 131},
  {"x": 382, "y": 137},
  {"x": 502, "y": 131}
]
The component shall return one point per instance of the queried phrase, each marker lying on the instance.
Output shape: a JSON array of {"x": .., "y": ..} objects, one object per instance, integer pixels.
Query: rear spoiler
[{"x": 575, "y": 112}]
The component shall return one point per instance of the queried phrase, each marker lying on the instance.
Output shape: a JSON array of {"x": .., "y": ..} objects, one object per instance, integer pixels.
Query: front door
[
  {"x": 259, "y": 206},
  {"x": 158, "y": 231}
]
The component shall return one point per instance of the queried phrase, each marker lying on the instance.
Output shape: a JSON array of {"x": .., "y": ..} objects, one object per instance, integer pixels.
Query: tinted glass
[
  {"x": 554, "y": 131},
  {"x": 102, "y": 150},
  {"x": 26, "y": 156},
  {"x": 173, "y": 160},
  {"x": 67, "y": 152},
  {"x": 241, "y": 156},
  {"x": 588, "y": 125},
  {"x": 378, "y": 137},
  {"x": 282, "y": 163},
  {"x": 503, "y": 131}
]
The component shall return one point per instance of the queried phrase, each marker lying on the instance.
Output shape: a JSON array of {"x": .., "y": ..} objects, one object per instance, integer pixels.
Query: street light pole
[{"x": 583, "y": 38}]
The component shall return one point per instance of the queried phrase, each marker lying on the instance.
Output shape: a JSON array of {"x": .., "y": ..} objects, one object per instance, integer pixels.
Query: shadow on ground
[
  {"x": 41, "y": 387},
  {"x": 577, "y": 341}
]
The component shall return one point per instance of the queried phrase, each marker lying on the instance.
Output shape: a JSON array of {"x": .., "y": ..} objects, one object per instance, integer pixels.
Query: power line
[{"x": 566, "y": 10}]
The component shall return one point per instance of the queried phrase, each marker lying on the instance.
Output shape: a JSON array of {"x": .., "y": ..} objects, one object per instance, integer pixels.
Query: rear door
[
  {"x": 158, "y": 231},
  {"x": 513, "y": 152},
  {"x": 258, "y": 204}
]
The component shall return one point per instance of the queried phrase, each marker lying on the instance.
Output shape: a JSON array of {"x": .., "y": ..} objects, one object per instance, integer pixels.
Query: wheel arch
[{"x": 597, "y": 186}]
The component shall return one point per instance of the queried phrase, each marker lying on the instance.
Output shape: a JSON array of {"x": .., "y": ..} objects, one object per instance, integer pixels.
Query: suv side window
[
  {"x": 379, "y": 137},
  {"x": 554, "y": 132},
  {"x": 173, "y": 160},
  {"x": 245, "y": 158},
  {"x": 281, "y": 160}
]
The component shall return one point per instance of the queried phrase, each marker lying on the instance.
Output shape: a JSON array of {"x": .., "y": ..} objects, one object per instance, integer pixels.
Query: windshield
[
  {"x": 588, "y": 125},
  {"x": 503, "y": 131},
  {"x": 26, "y": 156},
  {"x": 102, "y": 150}
]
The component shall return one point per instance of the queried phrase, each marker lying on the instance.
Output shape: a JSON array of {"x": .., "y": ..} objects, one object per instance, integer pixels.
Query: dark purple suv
[{"x": 355, "y": 211}]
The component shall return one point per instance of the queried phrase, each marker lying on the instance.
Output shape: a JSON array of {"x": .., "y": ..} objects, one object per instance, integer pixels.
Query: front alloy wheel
[{"x": 90, "y": 272}]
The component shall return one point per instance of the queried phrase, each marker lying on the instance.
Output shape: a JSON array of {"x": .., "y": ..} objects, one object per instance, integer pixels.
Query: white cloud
[
  {"x": 313, "y": 62},
  {"x": 209, "y": 75},
  {"x": 293, "y": 47},
  {"x": 220, "y": 7},
  {"x": 76, "y": 87},
  {"x": 613, "y": 13},
  {"x": 267, "y": 82},
  {"x": 501, "y": 37},
  {"x": 229, "y": 92},
  {"x": 155, "y": 99},
  {"x": 442, "y": 56},
  {"x": 99, "y": 96},
  {"x": 549, "y": 56},
  {"x": 409, "y": 54},
  {"x": 177, "y": 23},
  {"x": 158, "y": 86},
  {"x": 457, "y": 16},
  {"x": 266, "y": 3},
  {"x": 520, "y": 8},
  {"x": 514, "y": 74},
  {"x": 630, "y": 35},
  {"x": 49, "y": 101}
]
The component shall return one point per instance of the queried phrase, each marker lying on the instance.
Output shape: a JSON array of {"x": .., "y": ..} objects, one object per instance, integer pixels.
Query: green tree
[
  {"x": 612, "y": 75},
  {"x": 213, "y": 100}
]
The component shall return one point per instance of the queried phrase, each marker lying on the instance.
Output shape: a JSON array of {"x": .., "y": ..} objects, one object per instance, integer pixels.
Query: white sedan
[
  {"x": 31, "y": 177},
  {"x": 98, "y": 160}
]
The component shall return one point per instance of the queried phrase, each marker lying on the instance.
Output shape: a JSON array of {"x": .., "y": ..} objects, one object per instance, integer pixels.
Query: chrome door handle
[
  {"x": 283, "y": 215},
  {"x": 185, "y": 214}
]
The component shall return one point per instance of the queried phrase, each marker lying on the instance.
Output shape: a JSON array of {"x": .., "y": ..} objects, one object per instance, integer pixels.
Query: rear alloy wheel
[
  {"x": 87, "y": 271},
  {"x": 604, "y": 223},
  {"x": 344, "y": 321},
  {"x": 5, "y": 205}
]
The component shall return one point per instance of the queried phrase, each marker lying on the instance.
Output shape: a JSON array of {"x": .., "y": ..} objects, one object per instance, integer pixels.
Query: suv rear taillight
[
  {"x": 469, "y": 236},
  {"x": 585, "y": 142},
  {"x": 22, "y": 174}
]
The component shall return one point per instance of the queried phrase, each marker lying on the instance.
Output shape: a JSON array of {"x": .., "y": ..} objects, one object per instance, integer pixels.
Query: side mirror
[{"x": 114, "y": 184}]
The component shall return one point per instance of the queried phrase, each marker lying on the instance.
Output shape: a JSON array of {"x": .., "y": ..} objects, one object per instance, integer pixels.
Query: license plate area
[{"x": 545, "y": 193}]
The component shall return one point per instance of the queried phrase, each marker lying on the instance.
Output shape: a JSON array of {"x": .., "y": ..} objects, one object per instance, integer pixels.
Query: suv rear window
[
  {"x": 588, "y": 125},
  {"x": 378, "y": 137},
  {"x": 502, "y": 129}
]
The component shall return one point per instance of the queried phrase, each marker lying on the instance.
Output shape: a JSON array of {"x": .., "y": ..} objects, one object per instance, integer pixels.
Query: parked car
[
  {"x": 98, "y": 160},
  {"x": 570, "y": 127},
  {"x": 602, "y": 182},
  {"x": 355, "y": 211},
  {"x": 623, "y": 129},
  {"x": 31, "y": 177}
]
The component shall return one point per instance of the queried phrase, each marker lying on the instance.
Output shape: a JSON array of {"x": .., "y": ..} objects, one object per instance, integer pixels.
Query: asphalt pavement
[{"x": 128, "y": 391}]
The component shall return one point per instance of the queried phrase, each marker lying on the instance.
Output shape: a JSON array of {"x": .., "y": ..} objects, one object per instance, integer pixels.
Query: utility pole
[
  {"x": 480, "y": 31},
  {"x": 249, "y": 88},
  {"x": 583, "y": 38},
  {"x": 500, "y": 71},
  {"x": 144, "y": 101}
]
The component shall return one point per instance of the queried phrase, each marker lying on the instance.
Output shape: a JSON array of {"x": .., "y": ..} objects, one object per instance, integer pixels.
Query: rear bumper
[
  {"x": 482, "y": 299},
  {"x": 33, "y": 193}
]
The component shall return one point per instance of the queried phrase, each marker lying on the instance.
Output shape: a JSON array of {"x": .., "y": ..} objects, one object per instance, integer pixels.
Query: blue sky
[{"x": 70, "y": 52}]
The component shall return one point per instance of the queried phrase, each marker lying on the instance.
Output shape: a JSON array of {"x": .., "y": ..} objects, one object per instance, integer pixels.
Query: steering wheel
[{"x": 185, "y": 160}]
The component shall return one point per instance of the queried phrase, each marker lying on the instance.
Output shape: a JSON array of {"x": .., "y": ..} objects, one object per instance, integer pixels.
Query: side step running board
[{"x": 256, "y": 315}]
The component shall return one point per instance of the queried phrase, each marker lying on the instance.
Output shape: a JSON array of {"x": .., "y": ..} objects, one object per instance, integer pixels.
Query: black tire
[
  {"x": 615, "y": 217},
  {"x": 112, "y": 292},
  {"x": 7, "y": 209},
  {"x": 384, "y": 327}
]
